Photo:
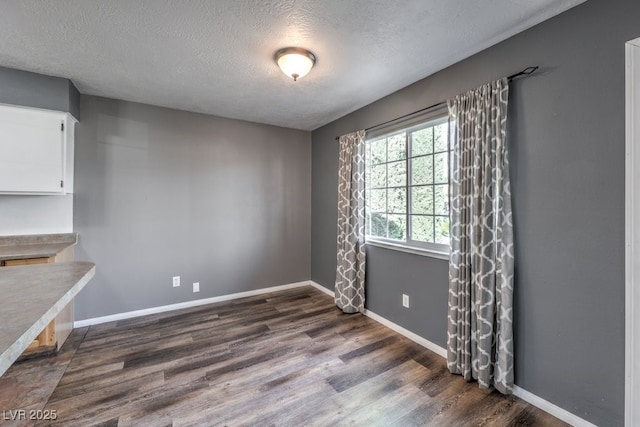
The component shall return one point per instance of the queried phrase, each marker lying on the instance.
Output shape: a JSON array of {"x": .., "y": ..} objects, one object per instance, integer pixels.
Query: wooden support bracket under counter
[{"x": 42, "y": 249}]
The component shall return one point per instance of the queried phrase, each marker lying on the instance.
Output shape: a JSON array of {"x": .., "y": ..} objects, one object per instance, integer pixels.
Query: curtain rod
[{"x": 527, "y": 71}]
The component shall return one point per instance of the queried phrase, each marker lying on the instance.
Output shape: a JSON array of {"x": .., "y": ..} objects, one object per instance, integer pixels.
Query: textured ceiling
[{"x": 216, "y": 57}]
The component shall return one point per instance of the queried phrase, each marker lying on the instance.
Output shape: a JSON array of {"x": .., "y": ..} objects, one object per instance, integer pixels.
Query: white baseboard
[
  {"x": 523, "y": 394},
  {"x": 322, "y": 288},
  {"x": 181, "y": 305},
  {"x": 407, "y": 333},
  {"x": 549, "y": 407},
  {"x": 393, "y": 326}
]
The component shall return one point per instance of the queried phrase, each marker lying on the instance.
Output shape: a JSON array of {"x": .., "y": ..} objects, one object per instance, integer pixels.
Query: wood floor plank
[
  {"x": 386, "y": 410},
  {"x": 373, "y": 363},
  {"x": 101, "y": 404},
  {"x": 284, "y": 358},
  {"x": 373, "y": 390}
]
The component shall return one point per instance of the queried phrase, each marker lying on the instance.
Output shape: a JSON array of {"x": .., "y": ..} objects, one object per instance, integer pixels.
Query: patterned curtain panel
[
  {"x": 480, "y": 323},
  {"x": 349, "y": 289}
]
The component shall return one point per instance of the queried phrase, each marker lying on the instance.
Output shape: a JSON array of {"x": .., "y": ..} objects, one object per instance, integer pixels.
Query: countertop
[
  {"x": 32, "y": 297},
  {"x": 35, "y": 246}
]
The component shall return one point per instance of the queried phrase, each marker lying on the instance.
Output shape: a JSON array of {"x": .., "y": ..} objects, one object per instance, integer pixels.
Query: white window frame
[{"x": 428, "y": 119}]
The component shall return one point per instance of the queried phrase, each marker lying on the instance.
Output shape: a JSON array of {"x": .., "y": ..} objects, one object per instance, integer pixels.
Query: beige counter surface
[
  {"x": 35, "y": 246},
  {"x": 44, "y": 250},
  {"x": 32, "y": 296}
]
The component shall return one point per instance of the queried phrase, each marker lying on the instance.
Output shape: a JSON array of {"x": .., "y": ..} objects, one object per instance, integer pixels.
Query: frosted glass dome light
[{"x": 295, "y": 62}]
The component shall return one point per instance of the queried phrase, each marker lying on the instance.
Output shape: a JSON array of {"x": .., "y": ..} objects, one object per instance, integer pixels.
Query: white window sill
[{"x": 409, "y": 249}]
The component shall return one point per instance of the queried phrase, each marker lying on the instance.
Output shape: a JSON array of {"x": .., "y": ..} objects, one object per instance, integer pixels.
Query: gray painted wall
[
  {"x": 567, "y": 157},
  {"x": 161, "y": 192},
  {"x": 28, "y": 89}
]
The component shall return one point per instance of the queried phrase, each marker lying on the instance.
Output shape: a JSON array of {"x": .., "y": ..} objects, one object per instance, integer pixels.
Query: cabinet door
[{"x": 32, "y": 151}]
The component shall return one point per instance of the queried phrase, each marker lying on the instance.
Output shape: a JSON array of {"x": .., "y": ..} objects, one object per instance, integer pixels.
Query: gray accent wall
[
  {"x": 162, "y": 193},
  {"x": 566, "y": 139},
  {"x": 29, "y": 89}
]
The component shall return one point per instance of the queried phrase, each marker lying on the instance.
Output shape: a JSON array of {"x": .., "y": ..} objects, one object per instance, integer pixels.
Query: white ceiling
[{"x": 216, "y": 57}]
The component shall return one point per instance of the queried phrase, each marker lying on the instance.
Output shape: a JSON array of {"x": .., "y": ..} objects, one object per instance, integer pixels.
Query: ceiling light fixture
[{"x": 295, "y": 62}]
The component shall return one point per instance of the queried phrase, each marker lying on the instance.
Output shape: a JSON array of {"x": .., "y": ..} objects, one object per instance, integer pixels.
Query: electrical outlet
[
  {"x": 176, "y": 281},
  {"x": 405, "y": 300},
  {"x": 196, "y": 286}
]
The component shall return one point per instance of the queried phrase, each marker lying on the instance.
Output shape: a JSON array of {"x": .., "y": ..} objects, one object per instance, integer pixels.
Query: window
[{"x": 407, "y": 186}]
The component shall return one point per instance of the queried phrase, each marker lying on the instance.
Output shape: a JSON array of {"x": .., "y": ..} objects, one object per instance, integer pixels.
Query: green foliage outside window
[{"x": 407, "y": 191}]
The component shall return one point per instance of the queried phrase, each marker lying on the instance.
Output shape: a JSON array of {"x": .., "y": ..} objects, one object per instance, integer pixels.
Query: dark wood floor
[{"x": 289, "y": 358}]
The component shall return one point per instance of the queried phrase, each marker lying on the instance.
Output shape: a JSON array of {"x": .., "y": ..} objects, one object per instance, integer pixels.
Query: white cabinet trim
[{"x": 632, "y": 235}]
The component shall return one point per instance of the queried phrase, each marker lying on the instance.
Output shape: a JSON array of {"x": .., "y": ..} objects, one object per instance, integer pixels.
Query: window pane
[
  {"x": 441, "y": 168},
  {"x": 422, "y": 142},
  {"x": 397, "y": 200},
  {"x": 441, "y": 199},
  {"x": 442, "y": 230},
  {"x": 378, "y": 224},
  {"x": 441, "y": 137},
  {"x": 396, "y": 147},
  {"x": 378, "y": 177},
  {"x": 379, "y": 151},
  {"x": 407, "y": 181},
  {"x": 378, "y": 200},
  {"x": 422, "y": 200},
  {"x": 397, "y": 174},
  {"x": 397, "y": 227},
  {"x": 422, "y": 170},
  {"x": 422, "y": 228},
  {"x": 367, "y": 175}
]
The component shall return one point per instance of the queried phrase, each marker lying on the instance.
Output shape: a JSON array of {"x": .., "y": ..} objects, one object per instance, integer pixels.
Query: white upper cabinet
[{"x": 36, "y": 151}]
